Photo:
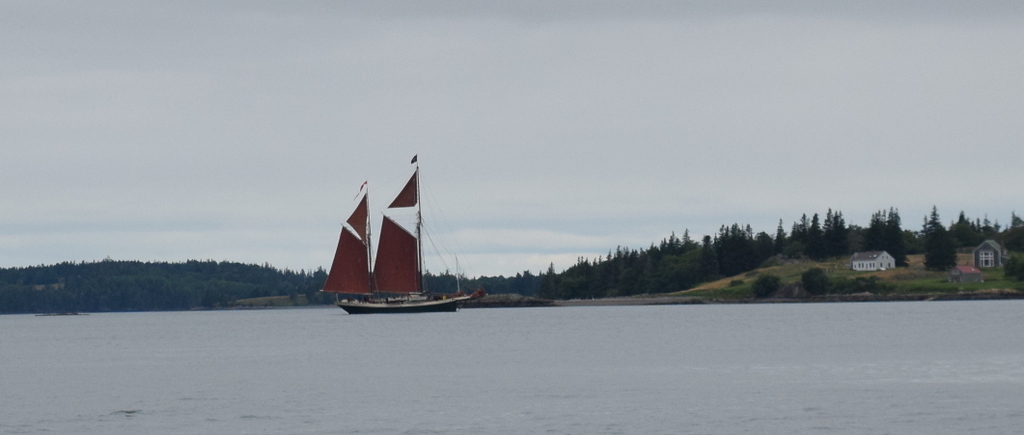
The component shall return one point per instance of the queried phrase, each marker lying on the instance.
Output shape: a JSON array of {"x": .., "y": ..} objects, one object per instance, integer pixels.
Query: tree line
[
  {"x": 524, "y": 283},
  {"x": 674, "y": 264},
  {"x": 108, "y": 285},
  {"x": 680, "y": 263}
]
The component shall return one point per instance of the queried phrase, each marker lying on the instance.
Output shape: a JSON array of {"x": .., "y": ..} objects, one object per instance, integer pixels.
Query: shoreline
[
  {"x": 513, "y": 301},
  {"x": 519, "y": 301}
]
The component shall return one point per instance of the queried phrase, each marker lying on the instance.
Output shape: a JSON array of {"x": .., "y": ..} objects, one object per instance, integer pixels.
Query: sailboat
[{"x": 395, "y": 282}]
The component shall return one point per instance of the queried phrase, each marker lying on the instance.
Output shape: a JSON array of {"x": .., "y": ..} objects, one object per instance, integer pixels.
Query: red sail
[
  {"x": 396, "y": 267},
  {"x": 359, "y": 218},
  {"x": 408, "y": 196},
  {"x": 350, "y": 271}
]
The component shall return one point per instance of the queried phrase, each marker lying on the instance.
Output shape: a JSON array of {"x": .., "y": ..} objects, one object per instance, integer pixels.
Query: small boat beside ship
[{"x": 394, "y": 282}]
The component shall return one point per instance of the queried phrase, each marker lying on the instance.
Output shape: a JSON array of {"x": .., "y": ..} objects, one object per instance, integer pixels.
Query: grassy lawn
[{"x": 913, "y": 279}]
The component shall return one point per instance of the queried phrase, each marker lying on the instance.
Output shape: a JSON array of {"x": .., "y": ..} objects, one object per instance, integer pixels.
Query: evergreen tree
[
  {"x": 672, "y": 246},
  {"x": 800, "y": 230},
  {"x": 549, "y": 284},
  {"x": 913, "y": 241},
  {"x": 764, "y": 246},
  {"x": 855, "y": 238},
  {"x": 735, "y": 248},
  {"x": 886, "y": 234},
  {"x": 1013, "y": 239},
  {"x": 895, "y": 243},
  {"x": 708, "y": 259},
  {"x": 875, "y": 236},
  {"x": 987, "y": 229},
  {"x": 940, "y": 251},
  {"x": 827, "y": 229},
  {"x": 836, "y": 234},
  {"x": 780, "y": 238},
  {"x": 815, "y": 240},
  {"x": 964, "y": 233}
]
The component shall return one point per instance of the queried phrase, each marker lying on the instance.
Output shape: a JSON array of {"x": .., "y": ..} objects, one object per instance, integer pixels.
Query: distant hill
[
  {"x": 730, "y": 263},
  {"x": 912, "y": 282},
  {"x": 111, "y": 285},
  {"x": 154, "y": 286},
  {"x": 147, "y": 286}
]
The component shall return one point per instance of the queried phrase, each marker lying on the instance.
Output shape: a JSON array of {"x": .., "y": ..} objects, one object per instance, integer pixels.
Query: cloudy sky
[{"x": 241, "y": 131}]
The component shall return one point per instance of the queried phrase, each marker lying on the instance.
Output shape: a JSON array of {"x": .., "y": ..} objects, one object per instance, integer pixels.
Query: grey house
[{"x": 989, "y": 254}]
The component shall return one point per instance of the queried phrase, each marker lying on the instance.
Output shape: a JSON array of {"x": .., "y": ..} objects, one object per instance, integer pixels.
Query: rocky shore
[
  {"x": 659, "y": 300},
  {"x": 964, "y": 296},
  {"x": 506, "y": 301},
  {"x": 515, "y": 300}
]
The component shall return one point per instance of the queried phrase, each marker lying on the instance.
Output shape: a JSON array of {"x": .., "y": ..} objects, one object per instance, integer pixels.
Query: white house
[{"x": 872, "y": 260}]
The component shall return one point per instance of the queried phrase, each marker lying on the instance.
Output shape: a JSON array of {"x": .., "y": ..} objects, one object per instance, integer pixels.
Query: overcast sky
[{"x": 241, "y": 131}]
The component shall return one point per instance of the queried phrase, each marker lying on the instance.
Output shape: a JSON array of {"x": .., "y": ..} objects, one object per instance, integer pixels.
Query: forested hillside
[
  {"x": 524, "y": 283},
  {"x": 110, "y": 285},
  {"x": 674, "y": 264},
  {"x": 143, "y": 286},
  {"x": 677, "y": 264}
]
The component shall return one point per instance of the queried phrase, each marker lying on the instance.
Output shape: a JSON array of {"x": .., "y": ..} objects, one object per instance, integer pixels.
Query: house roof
[
  {"x": 968, "y": 269},
  {"x": 867, "y": 255},
  {"x": 992, "y": 244}
]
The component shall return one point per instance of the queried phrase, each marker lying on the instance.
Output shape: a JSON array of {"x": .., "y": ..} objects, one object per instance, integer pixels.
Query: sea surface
[{"x": 851, "y": 368}]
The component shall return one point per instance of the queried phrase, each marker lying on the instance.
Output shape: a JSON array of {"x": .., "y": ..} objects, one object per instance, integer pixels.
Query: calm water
[{"x": 878, "y": 368}]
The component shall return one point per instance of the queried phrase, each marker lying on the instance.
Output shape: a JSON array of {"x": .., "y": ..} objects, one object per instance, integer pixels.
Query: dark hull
[{"x": 442, "y": 306}]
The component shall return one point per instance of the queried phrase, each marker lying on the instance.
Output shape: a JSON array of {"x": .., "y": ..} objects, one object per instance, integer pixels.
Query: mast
[
  {"x": 399, "y": 266},
  {"x": 419, "y": 229},
  {"x": 369, "y": 249},
  {"x": 360, "y": 222},
  {"x": 350, "y": 270}
]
